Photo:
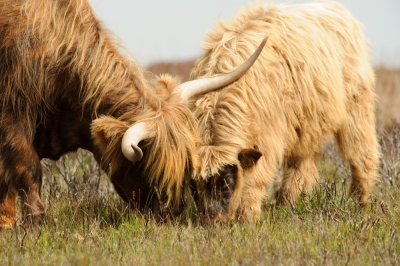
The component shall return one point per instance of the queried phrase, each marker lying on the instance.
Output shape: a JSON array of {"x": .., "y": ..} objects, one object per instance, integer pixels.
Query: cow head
[
  {"x": 161, "y": 142},
  {"x": 147, "y": 158},
  {"x": 217, "y": 187}
]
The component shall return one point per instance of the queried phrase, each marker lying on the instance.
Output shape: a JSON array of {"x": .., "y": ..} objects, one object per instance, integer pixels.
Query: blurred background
[{"x": 159, "y": 30}]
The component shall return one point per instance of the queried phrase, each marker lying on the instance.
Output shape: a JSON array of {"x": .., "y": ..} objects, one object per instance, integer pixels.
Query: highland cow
[
  {"x": 65, "y": 85},
  {"x": 312, "y": 82}
]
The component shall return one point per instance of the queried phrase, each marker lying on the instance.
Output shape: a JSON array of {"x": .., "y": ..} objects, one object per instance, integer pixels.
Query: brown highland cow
[
  {"x": 64, "y": 85},
  {"x": 313, "y": 81}
]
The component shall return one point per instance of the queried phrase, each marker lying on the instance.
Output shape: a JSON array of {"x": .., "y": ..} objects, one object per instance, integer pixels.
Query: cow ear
[
  {"x": 166, "y": 85},
  {"x": 107, "y": 131},
  {"x": 248, "y": 158}
]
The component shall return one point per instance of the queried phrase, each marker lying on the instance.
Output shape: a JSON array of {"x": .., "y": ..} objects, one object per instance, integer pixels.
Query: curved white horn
[
  {"x": 194, "y": 87},
  {"x": 131, "y": 139}
]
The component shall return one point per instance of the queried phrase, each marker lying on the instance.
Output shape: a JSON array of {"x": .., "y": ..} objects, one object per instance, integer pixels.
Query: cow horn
[
  {"x": 131, "y": 139},
  {"x": 194, "y": 87}
]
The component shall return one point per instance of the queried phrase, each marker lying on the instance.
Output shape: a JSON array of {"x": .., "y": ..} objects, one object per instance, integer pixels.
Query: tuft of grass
[{"x": 387, "y": 90}]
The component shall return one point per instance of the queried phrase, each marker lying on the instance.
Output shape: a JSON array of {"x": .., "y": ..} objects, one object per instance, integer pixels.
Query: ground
[{"x": 87, "y": 223}]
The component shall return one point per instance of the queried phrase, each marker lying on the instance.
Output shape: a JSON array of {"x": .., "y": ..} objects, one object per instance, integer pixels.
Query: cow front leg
[
  {"x": 27, "y": 181},
  {"x": 300, "y": 176},
  {"x": 25, "y": 172},
  {"x": 20, "y": 170},
  {"x": 8, "y": 216}
]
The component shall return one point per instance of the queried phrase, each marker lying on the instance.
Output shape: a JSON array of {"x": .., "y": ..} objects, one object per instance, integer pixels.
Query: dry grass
[
  {"x": 87, "y": 223},
  {"x": 181, "y": 69},
  {"x": 388, "y": 92}
]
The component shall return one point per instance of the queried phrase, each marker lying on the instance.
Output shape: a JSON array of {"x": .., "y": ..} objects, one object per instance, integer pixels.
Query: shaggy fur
[
  {"x": 313, "y": 81},
  {"x": 60, "y": 70}
]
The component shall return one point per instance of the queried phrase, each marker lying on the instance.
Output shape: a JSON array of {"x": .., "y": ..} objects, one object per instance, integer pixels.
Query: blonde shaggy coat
[{"x": 312, "y": 81}]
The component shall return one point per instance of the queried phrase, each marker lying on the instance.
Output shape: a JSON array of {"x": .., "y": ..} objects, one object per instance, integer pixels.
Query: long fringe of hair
[
  {"x": 169, "y": 155},
  {"x": 172, "y": 154}
]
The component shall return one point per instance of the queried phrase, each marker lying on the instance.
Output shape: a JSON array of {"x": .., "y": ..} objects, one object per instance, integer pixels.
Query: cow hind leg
[
  {"x": 299, "y": 176},
  {"x": 358, "y": 144}
]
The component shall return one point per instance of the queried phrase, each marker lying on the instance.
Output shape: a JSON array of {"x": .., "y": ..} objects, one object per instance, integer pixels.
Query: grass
[
  {"x": 88, "y": 224},
  {"x": 323, "y": 228}
]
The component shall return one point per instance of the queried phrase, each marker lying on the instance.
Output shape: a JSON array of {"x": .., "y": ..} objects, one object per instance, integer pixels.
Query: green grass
[
  {"x": 88, "y": 224},
  {"x": 300, "y": 236}
]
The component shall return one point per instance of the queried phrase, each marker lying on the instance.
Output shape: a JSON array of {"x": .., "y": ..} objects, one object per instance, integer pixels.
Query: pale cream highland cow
[{"x": 313, "y": 81}]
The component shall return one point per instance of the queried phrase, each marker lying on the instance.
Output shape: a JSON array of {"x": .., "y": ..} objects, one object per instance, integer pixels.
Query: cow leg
[
  {"x": 299, "y": 176},
  {"x": 20, "y": 174},
  {"x": 28, "y": 181},
  {"x": 358, "y": 144},
  {"x": 254, "y": 190},
  {"x": 7, "y": 206},
  {"x": 250, "y": 206}
]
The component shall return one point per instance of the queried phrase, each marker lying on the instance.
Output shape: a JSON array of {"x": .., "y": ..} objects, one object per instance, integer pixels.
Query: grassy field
[{"x": 88, "y": 224}]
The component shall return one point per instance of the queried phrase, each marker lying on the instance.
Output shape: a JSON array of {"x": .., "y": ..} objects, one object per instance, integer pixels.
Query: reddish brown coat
[{"x": 64, "y": 85}]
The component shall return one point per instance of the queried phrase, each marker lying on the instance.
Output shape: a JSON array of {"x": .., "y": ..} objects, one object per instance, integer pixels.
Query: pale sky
[{"x": 169, "y": 30}]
